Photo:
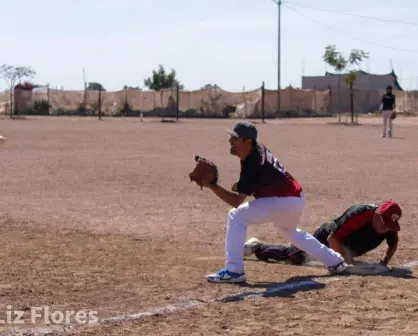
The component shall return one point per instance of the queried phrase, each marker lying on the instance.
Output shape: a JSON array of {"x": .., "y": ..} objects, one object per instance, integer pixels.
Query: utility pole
[
  {"x": 85, "y": 88},
  {"x": 279, "y": 5}
]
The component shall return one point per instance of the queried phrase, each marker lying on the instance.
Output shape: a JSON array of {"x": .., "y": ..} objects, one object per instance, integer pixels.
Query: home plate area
[
  {"x": 360, "y": 269},
  {"x": 370, "y": 268}
]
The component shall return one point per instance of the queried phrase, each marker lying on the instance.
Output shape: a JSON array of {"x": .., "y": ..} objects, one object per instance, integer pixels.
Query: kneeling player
[{"x": 360, "y": 229}]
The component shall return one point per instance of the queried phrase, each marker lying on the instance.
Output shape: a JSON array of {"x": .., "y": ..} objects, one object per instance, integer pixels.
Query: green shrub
[{"x": 41, "y": 107}]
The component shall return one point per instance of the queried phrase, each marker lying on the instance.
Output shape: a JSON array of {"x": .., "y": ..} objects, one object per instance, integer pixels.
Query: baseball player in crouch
[
  {"x": 359, "y": 230},
  {"x": 278, "y": 199}
]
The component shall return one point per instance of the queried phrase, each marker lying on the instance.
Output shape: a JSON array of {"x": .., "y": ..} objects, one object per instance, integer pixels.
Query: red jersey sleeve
[{"x": 353, "y": 222}]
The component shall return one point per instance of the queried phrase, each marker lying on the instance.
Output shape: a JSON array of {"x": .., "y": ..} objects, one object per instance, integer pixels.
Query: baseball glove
[
  {"x": 393, "y": 115},
  {"x": 205, "y": 172}
]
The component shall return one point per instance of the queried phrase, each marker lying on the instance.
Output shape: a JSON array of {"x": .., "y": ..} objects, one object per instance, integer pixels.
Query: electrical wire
[
  {"x": 349, "y": 35},
  {"x": 407, "y": 79},
  {"x": 356, "y": 15}
]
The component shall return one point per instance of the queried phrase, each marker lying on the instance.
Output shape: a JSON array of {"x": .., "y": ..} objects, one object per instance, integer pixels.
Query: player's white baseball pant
[
  {"x": 285, "y": 213},
  {"x": 387, "y": 122}
]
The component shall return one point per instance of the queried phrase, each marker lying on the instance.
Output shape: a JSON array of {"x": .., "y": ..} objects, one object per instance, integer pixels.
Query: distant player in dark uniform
[
  {"x": 360, "y": 229},
  {"x": 387, "y": 107},
  {"x": 278, "y": 199}
]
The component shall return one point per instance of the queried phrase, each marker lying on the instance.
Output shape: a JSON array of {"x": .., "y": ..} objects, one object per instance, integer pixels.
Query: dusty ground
[{"x": 101, "y": 216}]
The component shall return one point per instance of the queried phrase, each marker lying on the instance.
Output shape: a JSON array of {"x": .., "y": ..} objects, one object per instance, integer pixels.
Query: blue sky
[{"x": 226, "y": 42}]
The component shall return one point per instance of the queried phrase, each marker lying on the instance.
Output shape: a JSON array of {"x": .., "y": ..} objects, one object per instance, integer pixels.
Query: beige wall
[{"x": 217, "y": 102}]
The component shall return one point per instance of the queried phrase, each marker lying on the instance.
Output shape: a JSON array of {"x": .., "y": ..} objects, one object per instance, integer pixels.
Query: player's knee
[
  {"x": 233, "y": 213},
  {"x": 261, "y": 255},
  {"x": 236, "y": 215}
]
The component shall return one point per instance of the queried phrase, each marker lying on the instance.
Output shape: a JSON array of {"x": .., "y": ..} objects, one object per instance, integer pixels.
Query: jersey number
[{"x": 278, "y": 165}]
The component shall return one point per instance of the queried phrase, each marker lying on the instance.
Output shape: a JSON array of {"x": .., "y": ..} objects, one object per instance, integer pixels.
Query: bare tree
[{"x": 12, "y": 75}]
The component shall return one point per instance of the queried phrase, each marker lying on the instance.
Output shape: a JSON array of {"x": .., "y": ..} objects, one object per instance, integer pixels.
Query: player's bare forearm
[
  {"x": 338, "y": 247},
  {"x": 231, "y": 198},
  {"x": 390, "y": 252}
]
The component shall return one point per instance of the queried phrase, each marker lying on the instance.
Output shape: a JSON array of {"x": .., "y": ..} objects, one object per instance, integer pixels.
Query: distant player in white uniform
[
  {"x": 278, "y": 199},
  {"x": 387, "y": 106}
]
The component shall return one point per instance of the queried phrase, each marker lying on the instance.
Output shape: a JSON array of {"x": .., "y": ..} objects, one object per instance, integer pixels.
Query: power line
[
  {"x": 409, "y": 78},
  {"x": 352, "y": 36},
  {"x": 357, "y": 15}
]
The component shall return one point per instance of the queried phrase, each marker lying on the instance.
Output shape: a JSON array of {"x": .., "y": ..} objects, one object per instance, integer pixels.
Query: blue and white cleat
[
  {"x": 225, "y": 276},
  {"x": 338, "y": 269}
]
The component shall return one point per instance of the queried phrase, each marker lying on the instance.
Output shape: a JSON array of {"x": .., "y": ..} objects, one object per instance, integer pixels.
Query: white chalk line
[
  {"x": 240, "y": 296},
  {"x": 411, "y": 264}
]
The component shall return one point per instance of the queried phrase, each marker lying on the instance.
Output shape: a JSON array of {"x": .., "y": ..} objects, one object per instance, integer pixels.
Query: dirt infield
[{"x": 101, "y": 216}]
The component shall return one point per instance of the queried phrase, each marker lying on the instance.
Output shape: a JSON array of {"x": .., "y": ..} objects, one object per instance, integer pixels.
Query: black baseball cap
[{"x": 244, "y": 129}]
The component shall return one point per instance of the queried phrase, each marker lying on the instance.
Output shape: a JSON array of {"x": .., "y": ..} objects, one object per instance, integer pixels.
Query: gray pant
[{"x": 387, "y": 123}]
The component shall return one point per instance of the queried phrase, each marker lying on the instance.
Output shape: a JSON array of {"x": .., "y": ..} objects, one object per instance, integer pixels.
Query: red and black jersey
[
  {"x": 354, "y": 229},
  {"x": 262, "y": 175}
]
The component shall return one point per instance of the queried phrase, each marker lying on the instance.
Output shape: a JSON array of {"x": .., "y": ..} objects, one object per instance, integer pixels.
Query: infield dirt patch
[{"x": 101, "y": 215}]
